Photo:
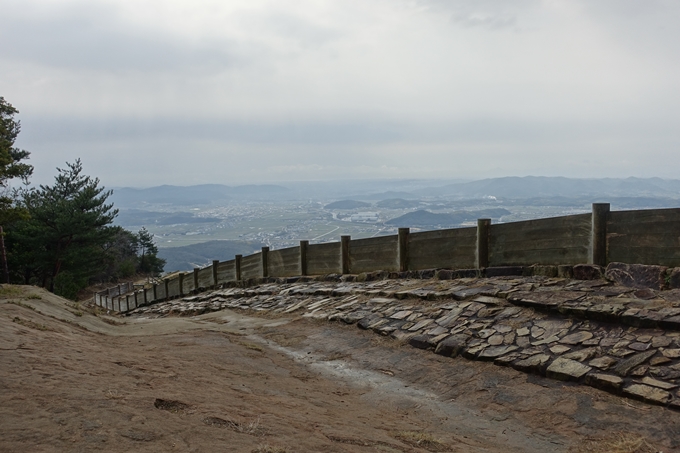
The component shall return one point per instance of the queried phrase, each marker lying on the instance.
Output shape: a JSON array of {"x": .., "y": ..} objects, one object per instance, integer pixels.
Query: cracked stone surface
[{"x": 595, "y": 332}]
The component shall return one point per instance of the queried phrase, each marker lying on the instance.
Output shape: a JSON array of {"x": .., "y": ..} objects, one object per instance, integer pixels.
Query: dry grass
[
  {"x": 266, "y": 448},
  {"x": 113, "y": 394},
  {"x": 420, "y": 439},
  {"x": 7, "y": 291},
  {"x": 615, "y": 443},
  {"x": 20, "y": 304},
  {"x": 30, "y": 324},
  {"x": 252, "y": 427},
  {"x": 252, "y": 346}
]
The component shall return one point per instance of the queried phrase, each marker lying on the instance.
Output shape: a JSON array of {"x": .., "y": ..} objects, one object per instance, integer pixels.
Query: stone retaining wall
[{"x": 620, "y": 339}]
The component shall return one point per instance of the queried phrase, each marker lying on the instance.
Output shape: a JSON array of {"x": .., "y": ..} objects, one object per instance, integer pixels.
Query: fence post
[
  {"x": 265, "y": 262},
  {"x": 214, "y": 272},
  {"x": 303, "y": 257},
  {"x": 344, "y": 260},
  {"x": 598, "y": 239},
  {"x": 166, "y": 282},
  {"x": 155, "y": 291},
  {"x": 181, "y": 284},
  {"x": 196, "y": 278},
  {"x": 146, "y": 298},
  {"x": 402, "y": 248},
  {"x": 237, "y": 267},
  {"x": 482, "y": 243},
  {"x": 127, "y": 302}
]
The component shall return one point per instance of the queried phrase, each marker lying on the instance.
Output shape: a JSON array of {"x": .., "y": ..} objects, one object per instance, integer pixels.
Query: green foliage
[
  {"x": 11, "y": 165},
  {"x": 149, "y": 263},
  {"x": 68, "y": 228}
]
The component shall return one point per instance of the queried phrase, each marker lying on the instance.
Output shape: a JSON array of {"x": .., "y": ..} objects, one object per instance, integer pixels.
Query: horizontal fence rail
[{"x": 635, "y": 237}]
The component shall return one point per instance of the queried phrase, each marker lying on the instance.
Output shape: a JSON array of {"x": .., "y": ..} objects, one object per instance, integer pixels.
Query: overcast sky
[{"x": 229, "y": 91}]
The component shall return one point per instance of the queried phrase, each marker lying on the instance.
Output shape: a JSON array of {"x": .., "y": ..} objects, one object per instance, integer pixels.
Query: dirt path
[{"x": 229, "y": 382}]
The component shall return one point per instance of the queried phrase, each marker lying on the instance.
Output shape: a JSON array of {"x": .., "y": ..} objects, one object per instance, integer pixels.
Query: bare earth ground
[{"x": 72, "y": 381}]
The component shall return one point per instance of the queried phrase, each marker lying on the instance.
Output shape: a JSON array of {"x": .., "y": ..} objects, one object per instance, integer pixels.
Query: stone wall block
[
  {"x": 588, "y": 272},
  {"x": 637, "y": 275}
]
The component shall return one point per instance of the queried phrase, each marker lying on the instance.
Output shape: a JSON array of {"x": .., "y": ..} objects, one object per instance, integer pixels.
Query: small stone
[
  {"x": 509, "y": 338},
  {"x": 671, "y": 353},
  {"x": 582, "y": 355},
  {"x": 401, "y": 314},
  {"x": 644, "y": 338},
  {"x": 657, "y": 383},
  {"x": 437, "y": 331},
  {"x": 495, "y": 340},
  {"x": 495, "y": 351},
  {"x": 606, "y": 382},
  {"x": 659, "y": 361},
  {"x": 576, "y": 338},
  {"x": 606, "y": 342},
  {"x": 489, "y": 300},
  {"x": 506, "y": 360},
  {"x": 552, "y": 339},
  {"x": 522, "y": 342},
  {"x": 502, "y": 328},
  {"x": 639, "y": 346},
  {"x": 485, "y": 333},
  {"x": 591, "y": 342},
  {"x": 559, "y": 349},
  {"x": 567, "y": 369},
  {"x": 623, "y": 368},
  {"x": 522, "y": 332},
  {"x": 471, "y": 353},
  {"x": 647, "y": 393},
  {"x": 536, "y": 332},
  {"x": 452, "y": 346},
  {"x": 532, "y": 364},
  {"x": 640, "y": 371},
  {"x": 602, "y": 362},
  {"x": 660, "y": 342},
  {"x": 621, "y": 352}
]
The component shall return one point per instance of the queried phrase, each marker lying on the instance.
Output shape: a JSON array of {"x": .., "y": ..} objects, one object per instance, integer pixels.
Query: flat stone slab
[
  {"x": 647, "y": 393},
  {"x": 607, "y": 382},
  {"x": 493, "y": 352},
  {"x": 576, "y": 338},
  {"x": 624, "y": 367},
  {"x": 567, "y": 370}
]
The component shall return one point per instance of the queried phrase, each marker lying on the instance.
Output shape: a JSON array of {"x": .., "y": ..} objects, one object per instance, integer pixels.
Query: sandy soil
[{"x": 226, "y": 381}]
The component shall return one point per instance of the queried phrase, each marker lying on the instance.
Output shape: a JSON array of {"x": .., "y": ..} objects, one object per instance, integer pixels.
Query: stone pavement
[{"x": 620, "y": 339}]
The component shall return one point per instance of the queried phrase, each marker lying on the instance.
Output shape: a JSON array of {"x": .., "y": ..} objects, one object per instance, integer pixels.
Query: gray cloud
[
  {"x": 94, "y": 37},
  {"x": 260, "y": 90}
]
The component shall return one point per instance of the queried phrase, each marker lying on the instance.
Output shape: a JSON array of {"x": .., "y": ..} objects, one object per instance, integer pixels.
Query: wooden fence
[{"x": 636, "y": 237}]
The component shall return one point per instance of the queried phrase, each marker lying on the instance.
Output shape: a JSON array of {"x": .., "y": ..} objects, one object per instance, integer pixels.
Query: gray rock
[
  {"x": 605, "y": 382},
  {"x": 587, "y": 272},
  {"x": 533, "y": 364},
  {"x": 452, "y": 346},
  {"x": 421, "y": 341},
  {"x": 625, "y": 366},
  {"x": 603, "y": 363},
  {"x": 647, "y": 393},
  {"x": 567, "y": 369},
  {"x": 494, "y": 352},
  {"x": 637, "y": 275},
  {"x": 582, "y": 355},
  {"x": 577, "y": 337},
  {"x": 637, "y": 346},
  {"x": 657, "y": 383}
]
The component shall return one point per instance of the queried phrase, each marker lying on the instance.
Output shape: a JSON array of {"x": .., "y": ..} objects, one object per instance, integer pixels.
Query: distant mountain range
[
  {"x": 194, "y": 195},
  {"x": 534, "y": 188},
  {"x": 543, "y": 186}
]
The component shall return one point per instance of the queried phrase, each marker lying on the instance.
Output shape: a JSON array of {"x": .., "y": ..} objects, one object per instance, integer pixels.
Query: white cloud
[{"x": 430, "y": 81}]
